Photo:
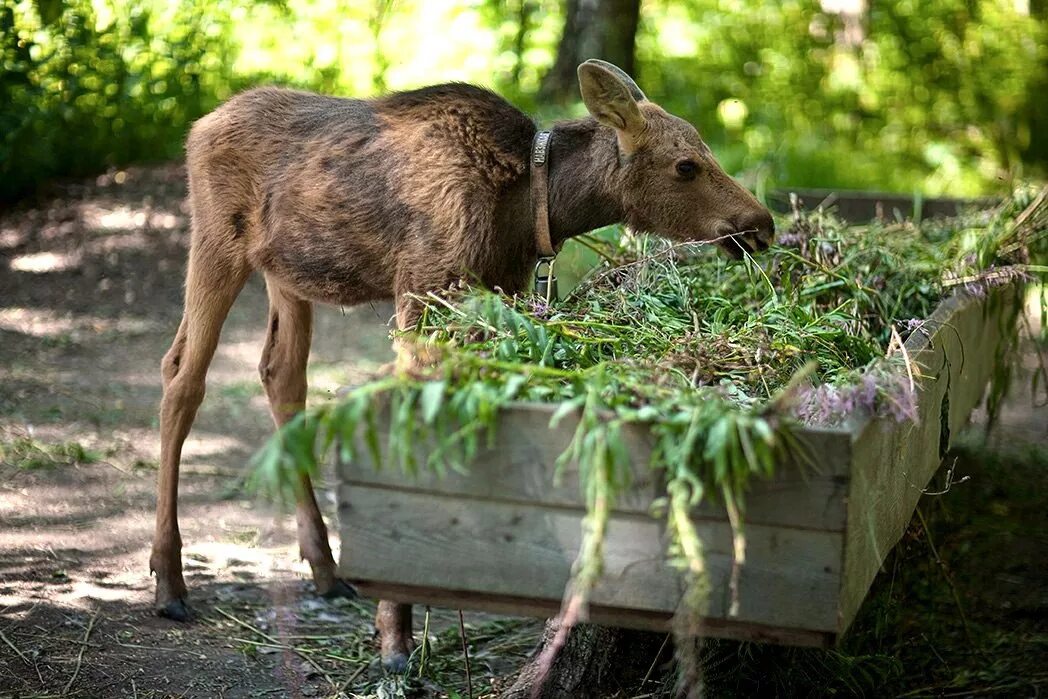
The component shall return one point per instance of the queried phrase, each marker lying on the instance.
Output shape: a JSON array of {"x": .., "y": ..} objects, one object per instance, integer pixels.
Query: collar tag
[{"x": 541, "y": 147}]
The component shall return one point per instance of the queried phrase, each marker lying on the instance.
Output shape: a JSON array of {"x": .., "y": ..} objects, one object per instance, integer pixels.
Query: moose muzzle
[{"x": 748, "y": 233}]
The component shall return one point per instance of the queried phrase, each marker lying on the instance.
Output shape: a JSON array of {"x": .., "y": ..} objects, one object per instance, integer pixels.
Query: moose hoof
[
  {"x": 395, "y": 663},
  {"x": 176, "y": 609},
  {"x": 340, "y": 590}
]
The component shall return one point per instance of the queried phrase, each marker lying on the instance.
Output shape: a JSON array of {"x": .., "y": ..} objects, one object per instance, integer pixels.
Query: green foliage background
[{"x": 943, "y": 96}]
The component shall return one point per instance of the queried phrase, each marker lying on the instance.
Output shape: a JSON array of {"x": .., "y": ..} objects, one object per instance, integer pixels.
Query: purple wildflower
[
  {"x": 790, "y": 240},
  {"x": 866, "y": 392},
  {"x": 909, "y": 327},
  {"x": 976, "y": 289},
  {"x": 914, "y": 323},
  {"x": 880, "y": 393},
  {"x": 899, "y": 401},
  {"x": 538, "y": 307}
]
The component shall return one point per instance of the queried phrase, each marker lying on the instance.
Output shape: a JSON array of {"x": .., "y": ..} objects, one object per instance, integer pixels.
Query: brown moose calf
[{"x": 346, "y": 201}]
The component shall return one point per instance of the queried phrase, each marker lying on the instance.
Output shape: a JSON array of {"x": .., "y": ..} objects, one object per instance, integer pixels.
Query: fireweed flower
[
  {"x": 878, "y": 392},
  {"x": 538, "y": 307}
]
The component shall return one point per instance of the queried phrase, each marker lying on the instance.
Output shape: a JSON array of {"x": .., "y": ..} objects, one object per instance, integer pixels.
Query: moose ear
[{"x": 611, "y": 96}]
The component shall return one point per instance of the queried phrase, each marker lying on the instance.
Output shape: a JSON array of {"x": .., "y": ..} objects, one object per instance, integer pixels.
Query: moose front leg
[
  {"x": 393, "y": 623},
  {"x": 393, "y": 620}
]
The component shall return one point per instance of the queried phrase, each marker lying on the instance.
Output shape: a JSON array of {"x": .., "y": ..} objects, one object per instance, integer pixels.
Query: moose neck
[{"x": 582, "y": 162}]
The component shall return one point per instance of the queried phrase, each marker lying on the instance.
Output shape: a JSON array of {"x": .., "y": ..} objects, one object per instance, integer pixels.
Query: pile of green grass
[{"x": 723, "y": 360}]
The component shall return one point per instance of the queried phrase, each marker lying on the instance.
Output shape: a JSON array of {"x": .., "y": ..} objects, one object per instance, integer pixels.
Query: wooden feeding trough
[{"x": 503, "y": 538}]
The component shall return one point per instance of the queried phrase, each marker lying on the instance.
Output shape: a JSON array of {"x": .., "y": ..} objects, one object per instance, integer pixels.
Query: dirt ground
[{"x": 90, "y": 296}]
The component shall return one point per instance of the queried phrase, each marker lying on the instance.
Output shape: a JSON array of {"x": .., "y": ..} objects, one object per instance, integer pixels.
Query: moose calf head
[{"x": 668, "y": 181}]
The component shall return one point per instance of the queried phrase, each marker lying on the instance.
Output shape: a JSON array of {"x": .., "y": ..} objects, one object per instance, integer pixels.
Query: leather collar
[{"x": 540, "y": 152}]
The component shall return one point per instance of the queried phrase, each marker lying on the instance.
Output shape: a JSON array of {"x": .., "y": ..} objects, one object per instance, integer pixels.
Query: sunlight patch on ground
[
  {"x": 245, "y": 353},
  {"x": 120, "y": 241},
  {"x": 13, "y": 500},
  {"x": 125, "y": 218},
  {"x": 43, "y": 262},
  {"x": 11, "y": 238},
  {"x": 228, "y": 554},
  {"x": 327, "y": 379},
  {"x": 15, "y": 606},
  {"x": 204, "y": 444},
  {"x": 47, "y": 323},
  {"x": 85, "y": 589}
]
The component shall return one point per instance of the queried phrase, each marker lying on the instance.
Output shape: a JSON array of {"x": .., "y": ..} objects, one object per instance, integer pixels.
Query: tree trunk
[
  {"x": 596, "y": 662},
  {"x": 604, "y": 29},
  {"x": 1037, "y": 151}
]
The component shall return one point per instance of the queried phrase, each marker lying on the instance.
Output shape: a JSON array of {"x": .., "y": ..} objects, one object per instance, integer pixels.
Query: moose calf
[{"x": 346, "y": 201}]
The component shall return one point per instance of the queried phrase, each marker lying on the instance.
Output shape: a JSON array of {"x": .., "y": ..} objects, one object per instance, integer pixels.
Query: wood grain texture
[
  {"x": 520, "y": 468},
  {"x": 893, "y": 462},
  {"x": 528, "y": 550}
]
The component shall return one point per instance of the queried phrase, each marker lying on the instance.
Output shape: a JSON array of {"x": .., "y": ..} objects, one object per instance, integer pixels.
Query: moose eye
[{"x": 687, "y": 169}]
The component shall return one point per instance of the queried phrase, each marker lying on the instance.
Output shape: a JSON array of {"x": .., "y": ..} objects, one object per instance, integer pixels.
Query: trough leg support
[{"x": 595, "y": 662}]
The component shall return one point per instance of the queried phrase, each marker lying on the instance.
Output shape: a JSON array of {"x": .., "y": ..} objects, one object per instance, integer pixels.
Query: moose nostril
[
  {"x": 765, "y": 224},
  {"x": 759, "y": 223},
  {"x": 756, "y": 227},
  {"x": 766, "y": 234}
]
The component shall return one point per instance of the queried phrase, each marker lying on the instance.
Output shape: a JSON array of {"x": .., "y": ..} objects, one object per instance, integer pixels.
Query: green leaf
[
  {"x": 565, "y": 409},
  {"x": 512, "y": 386},
  {"x": 431, "y": 399},
  {"x": 371, "y": 438}
]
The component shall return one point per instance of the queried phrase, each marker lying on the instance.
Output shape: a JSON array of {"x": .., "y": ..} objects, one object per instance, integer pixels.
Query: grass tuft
[{"x": 30, "y": 454}]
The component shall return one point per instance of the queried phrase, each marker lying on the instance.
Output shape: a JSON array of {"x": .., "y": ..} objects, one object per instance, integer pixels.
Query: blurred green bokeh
[{"x": 943, "y": 96}]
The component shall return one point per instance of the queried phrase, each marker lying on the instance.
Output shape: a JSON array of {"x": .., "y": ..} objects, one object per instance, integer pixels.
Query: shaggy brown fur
[{"x": 346, "y": 201}]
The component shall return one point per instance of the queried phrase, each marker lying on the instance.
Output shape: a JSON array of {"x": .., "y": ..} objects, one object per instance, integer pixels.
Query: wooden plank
[
  {"x": 598, "y": 614},
  {"x": 520, "y": 468},
  {"x": 790, "y": 579},
  {"x": 892, "y": 462}
]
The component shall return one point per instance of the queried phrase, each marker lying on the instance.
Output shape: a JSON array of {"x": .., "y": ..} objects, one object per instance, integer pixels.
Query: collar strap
[{"x": 540, "y": 152}]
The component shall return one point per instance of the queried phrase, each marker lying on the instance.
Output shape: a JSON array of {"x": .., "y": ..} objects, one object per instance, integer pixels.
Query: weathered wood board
[{"x": 504, "y": 537}]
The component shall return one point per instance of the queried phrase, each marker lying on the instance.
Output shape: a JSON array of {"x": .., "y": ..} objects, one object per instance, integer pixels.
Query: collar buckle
[{"x": 546, "y": 284}]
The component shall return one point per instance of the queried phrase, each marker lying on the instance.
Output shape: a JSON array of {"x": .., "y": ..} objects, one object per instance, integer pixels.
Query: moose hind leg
[
  {"x": 210, "y": 291},
  {"x": 283, "y": 374}
]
